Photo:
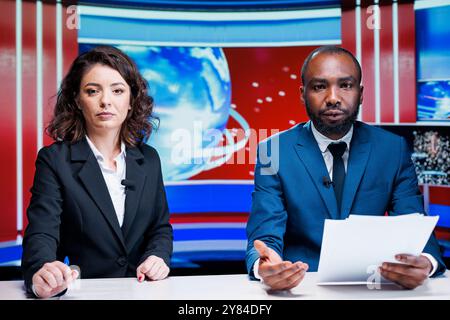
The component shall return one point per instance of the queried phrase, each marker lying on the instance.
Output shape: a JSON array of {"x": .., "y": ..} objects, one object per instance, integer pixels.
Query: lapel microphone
[
  {"x": 129, "y": 184},
  {"x": 327, "y": 182}
]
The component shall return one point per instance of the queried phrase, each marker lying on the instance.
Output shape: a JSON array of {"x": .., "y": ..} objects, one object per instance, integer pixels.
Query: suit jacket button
[{"x": 122, "y": 261}]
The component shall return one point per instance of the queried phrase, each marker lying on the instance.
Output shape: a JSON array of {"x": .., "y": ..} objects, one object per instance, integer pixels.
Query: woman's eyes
[{"x": 91, "y": 92}]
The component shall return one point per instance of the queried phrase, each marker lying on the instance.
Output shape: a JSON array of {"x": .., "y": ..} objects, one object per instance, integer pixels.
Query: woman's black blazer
[{"x": 71, "y": 213}]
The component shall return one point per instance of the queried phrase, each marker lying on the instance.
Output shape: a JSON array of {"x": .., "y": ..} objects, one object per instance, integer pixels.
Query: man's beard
[{"x": 339, "y": 128}]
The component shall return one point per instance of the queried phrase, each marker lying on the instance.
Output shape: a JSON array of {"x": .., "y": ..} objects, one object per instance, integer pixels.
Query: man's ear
[
  {"x": 361, "y": 96},
  {"x": 302, "y": 93}
]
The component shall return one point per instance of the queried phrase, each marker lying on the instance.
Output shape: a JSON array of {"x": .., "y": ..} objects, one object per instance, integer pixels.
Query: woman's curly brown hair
[{"x": 68, "y": 123}]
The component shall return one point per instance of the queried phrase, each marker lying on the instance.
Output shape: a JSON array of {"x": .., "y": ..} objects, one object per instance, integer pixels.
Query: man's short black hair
[{"x": 330, "y": 50}]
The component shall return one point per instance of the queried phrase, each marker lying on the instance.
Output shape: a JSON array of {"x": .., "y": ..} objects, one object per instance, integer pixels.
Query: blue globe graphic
[{"x": 192, "y": 91}]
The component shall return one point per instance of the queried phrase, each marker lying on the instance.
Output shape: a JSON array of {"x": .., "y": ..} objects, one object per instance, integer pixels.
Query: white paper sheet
[{"x": 353, "y": 249}]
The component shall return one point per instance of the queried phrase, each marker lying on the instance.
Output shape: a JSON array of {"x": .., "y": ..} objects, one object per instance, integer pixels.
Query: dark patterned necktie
[{"x": 337, "y": 150}]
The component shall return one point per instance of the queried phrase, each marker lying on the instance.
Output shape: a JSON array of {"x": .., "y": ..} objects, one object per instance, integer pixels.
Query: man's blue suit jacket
[{"x": 290, "y": 201}]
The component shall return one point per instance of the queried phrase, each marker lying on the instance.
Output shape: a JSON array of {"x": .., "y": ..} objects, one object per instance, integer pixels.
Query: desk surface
[{"x": 229, "y": 287}]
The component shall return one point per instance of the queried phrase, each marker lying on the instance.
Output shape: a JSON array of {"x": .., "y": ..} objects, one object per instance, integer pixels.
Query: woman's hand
[
  {"x": 154, "y": 268},
  {"x": 53, "y": 278}
]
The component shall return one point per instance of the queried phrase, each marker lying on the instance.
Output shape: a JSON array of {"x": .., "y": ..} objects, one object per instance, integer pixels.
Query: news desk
[{"x": 229, "y": 287}]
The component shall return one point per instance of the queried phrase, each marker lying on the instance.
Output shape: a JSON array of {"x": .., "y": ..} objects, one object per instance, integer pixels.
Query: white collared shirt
[
  {"x": 323, "y": 143},
  {"x": 113, "y": 178}
]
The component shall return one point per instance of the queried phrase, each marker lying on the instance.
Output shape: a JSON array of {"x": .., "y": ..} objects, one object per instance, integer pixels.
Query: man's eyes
[
  {"x": 347, "y": 85},
  {"x": 317, "y": 87}
]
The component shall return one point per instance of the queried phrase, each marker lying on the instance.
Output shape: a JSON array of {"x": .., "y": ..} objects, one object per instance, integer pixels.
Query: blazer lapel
[
  {"x": 309, "y": 153},
  {"x": 136, "y": 175},
  {"x": 92, "y": 179},
  {"x": 357, "y": 161}
]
